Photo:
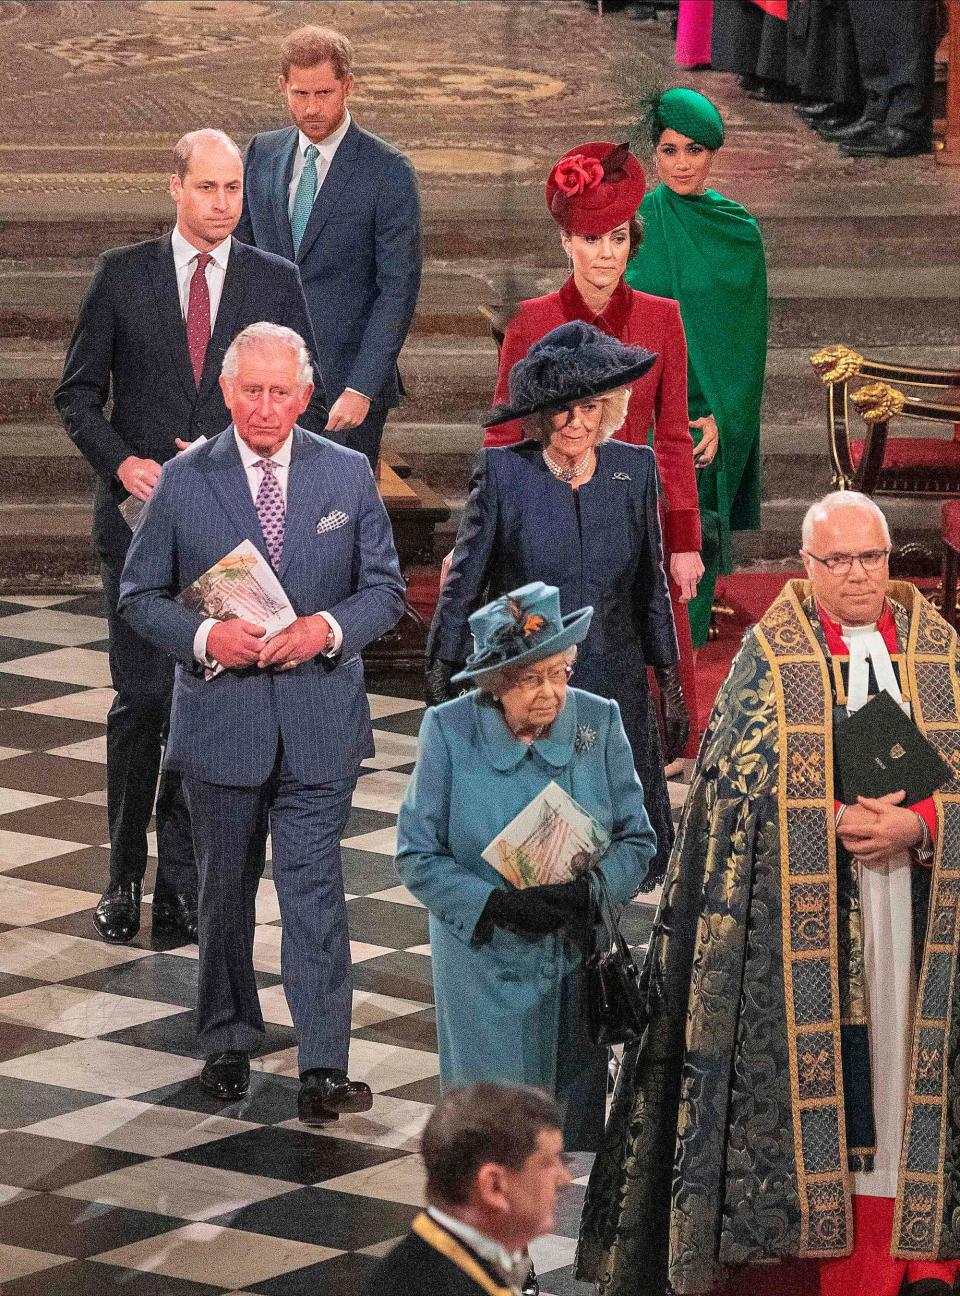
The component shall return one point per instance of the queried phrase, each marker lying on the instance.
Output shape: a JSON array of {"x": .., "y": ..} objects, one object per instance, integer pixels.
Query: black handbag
[{"x": 615, "y": 999}]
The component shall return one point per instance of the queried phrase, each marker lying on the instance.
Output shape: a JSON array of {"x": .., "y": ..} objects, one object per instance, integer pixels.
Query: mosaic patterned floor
[{"x": 116, "y": 1171}]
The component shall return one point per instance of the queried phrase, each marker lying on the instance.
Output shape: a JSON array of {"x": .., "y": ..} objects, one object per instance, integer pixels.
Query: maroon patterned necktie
[
  {"x": 270, "y": 509},
  {"x": 198, "y": 315}
]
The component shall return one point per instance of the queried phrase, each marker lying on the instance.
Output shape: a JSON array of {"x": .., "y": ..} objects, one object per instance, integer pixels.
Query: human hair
[
  {"x": 499, "y": 681},
  {"x": 478, "y": 1124},
  {"x": 308, "y": 47},
  {"x": 185, "y": 146},
  {"x": 613, "y": 415},
  {"x": 822, "y": 508},
  {"x": 273, "y": 335}
]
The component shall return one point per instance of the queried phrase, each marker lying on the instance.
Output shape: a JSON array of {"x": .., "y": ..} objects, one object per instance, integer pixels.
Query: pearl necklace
[{"x": 568, "y": 474}]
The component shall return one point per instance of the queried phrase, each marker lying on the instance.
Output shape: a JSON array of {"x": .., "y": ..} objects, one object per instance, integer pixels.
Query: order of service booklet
[
  {"x": 241, "y": 585},
  {"x": 553, "y": 839}
]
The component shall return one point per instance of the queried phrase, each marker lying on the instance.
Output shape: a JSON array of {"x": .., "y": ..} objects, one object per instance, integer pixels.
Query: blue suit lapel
[
  {"x": 341, "y": 169},
  {"x": 228, "y": 480},
  {"x": 172, "y": 332},
  {"x": 280, "y": 188},
  {"x": 300, "y": 490}
]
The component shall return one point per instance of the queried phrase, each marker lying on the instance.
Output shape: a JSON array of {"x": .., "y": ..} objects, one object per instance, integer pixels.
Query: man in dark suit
[
  {"x": 495, "y": 1164},
  {"x": 343, "y": 204},
  {"x": 152, "y": 332},
  {"x": 278, "y": 737}
]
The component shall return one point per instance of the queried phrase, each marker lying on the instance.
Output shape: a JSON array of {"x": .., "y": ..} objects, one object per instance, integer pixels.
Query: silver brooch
[
  {"x": 622, "y": 477},
  {"x": 586, "y": 738}
]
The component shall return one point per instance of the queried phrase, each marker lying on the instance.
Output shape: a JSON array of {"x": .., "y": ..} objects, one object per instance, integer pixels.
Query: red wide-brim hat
[{"x": 594, "y": 188}]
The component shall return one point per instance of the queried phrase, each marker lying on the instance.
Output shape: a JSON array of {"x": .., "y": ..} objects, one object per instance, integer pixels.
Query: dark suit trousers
[
  {"x": 136, "y": 726},
  {"x": 306, "y": 823},
  {"x": 896, "y": 61}
]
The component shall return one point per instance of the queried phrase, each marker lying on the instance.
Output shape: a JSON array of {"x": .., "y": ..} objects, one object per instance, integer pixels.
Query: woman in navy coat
[
  {"x": 506, "y": 961},
  {"x": 575, "y": 509}
]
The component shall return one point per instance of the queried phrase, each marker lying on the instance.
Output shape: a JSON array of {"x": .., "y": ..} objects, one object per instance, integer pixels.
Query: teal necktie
[{"x": 306, "y": 192}]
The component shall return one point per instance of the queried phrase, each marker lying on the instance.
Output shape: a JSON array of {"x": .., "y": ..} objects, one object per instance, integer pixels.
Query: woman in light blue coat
[{"x": 507, "y": 961}]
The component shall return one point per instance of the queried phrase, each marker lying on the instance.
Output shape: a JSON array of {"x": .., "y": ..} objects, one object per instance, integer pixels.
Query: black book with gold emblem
[{"x": 879, "y": 750}]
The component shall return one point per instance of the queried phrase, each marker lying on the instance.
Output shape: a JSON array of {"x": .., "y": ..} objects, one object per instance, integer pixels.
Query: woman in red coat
[{"x": 593, "y": 193}]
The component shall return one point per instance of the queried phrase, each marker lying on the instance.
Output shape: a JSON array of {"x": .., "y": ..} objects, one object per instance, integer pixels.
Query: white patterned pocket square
[{"x": 332, "y": 521}]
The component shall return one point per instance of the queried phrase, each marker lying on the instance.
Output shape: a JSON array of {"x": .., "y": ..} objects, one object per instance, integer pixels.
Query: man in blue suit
[
  {"x": 139, "y": 382},
  {"x": 275, "y": 741},
  {"x": 343, "y": 204}
]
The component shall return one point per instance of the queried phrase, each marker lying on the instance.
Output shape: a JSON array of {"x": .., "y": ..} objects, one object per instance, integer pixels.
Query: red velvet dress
[{"x": 658, "y": 400}]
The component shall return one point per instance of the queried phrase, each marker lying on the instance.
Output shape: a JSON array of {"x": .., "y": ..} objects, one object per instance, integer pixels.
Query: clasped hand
[
  {"x": 240, "y": 643},
  {"x": 878, "y": 827}
]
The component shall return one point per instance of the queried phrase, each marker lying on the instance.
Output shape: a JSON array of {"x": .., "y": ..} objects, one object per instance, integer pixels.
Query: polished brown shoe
[
  {"x": 117, "y": 916},
  {"x": 325, "y": 1093},
  {"x": 226, "y": 1075},
  {"x": 174, "y": 921}
]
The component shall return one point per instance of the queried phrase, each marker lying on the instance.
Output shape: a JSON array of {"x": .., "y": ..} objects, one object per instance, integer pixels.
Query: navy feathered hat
[{"x": 573, "y": 362}]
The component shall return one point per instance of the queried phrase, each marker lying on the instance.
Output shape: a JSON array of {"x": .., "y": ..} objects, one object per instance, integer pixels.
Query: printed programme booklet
[
  {"x": 553, "y": 839},
  {"x": 241, "y": 585}
]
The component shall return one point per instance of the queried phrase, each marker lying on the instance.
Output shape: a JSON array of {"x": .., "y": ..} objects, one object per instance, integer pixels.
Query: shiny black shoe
[
  {"x": 531, "y": 1284},
  {"x": 929, "y": 1287},
  {"x": 117, "y": 916},
  {"x": 888, "y": 142},
  {"x": 811, "y": 109},
  {"x": 850, "y": 130},
  {"x": 325, "y": 1093},
  {"x": 174, "y": 921},
  {"x": 226, "y": 1075}
]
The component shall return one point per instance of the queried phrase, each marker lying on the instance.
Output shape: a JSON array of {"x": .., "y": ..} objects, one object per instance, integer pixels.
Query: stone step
[{"x": 515, "y": 231}]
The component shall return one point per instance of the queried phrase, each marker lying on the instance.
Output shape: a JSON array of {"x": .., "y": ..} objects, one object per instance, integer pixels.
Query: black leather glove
[
  {"x": 437, "y": 686},
  {"x": 673, "y": 708},
  {"x": 527, "y": 911},
  {"x": 573, "y": 897}
]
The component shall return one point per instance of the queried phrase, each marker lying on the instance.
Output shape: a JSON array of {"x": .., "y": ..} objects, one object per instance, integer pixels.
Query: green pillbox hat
[{"x": 689, "y": 113}]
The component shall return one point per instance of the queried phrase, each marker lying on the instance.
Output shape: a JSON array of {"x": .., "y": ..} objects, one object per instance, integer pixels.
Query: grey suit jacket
[
  {"x": 226, "y": 730},
  {"x": 360, "y": 257}
]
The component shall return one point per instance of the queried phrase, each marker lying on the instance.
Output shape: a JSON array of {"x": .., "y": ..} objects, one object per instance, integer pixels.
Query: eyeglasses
[
  {"x": 870, "y": 560},
  {"x": 557, "y": 678}
]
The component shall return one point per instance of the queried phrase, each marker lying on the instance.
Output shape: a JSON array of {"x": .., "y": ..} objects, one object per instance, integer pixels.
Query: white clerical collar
[
  {"x": 250, "y": 457},
  {"x": 184, "y": 252},
  {"x": 867, "y": 647},
  {"x": 509, "y": 1264},
  {"x": 327, "y": 147}
]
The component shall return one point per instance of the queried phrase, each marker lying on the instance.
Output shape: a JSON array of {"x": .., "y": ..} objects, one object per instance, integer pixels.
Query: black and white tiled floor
[{"x": 116, "y": 1171}]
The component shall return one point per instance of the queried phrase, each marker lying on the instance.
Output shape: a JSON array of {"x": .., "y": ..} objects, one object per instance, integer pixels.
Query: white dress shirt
[
  {"x": 250, "y": 459},
  {"x": 514, "y": 1266},
  {"x": 185, "y": 263},
  {"x": 326, "y": 151}
]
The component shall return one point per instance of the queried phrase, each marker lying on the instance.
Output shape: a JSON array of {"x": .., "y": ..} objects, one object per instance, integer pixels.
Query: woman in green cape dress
[{"x": 706, "y": 251}]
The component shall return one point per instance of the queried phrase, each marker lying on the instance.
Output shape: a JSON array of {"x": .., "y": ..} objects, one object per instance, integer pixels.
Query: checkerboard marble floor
[{"x": 116, "y": 1170}]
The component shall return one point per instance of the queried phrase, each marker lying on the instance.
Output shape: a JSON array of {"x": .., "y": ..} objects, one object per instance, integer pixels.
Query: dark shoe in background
[
  {"x": 888, "y": 142},
  {"x": 174, "y": 921},
  {"x": 117, "y": 916},
  {"x": 848, "y": 131},
  {"x": 773, "y": 92},
  {"x": 226, "y": 1075},
  {"x": 813, "y": 108},
  {"x": 325, "y": 1093},
  {"x": 531, "y": 1285}
]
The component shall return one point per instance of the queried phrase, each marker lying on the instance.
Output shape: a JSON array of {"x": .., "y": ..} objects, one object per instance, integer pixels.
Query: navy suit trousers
[{"x": 306, "y": 824}]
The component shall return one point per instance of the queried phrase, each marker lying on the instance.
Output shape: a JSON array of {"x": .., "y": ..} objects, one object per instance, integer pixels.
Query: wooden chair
[
  {"x": 877, "y": 463},
  {"x": 950, "y": 529}
]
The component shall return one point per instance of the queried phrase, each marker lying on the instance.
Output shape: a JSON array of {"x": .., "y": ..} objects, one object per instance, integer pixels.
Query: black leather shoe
[
  {"x": 226, "y": 1075},
  {"x": 325, "y": 1093},
  {"x": 850, "y": 130},
  {"x": 174, "y": 921},
  {"x": 929, "y": 1287},
  {"x": 811, "y": 109},
  {"x": 772, "y": 92},
  {"x": 117, "y": 916},
  {"x": 887, "y": 141},
  {"x": 531, "y": 1285}
]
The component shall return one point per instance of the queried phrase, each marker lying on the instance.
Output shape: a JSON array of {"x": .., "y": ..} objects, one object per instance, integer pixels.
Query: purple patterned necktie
[{"x": 270, "y": 509}]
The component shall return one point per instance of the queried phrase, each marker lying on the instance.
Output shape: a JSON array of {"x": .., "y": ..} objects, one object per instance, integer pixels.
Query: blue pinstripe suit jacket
[{"x": 226, "y": 730}]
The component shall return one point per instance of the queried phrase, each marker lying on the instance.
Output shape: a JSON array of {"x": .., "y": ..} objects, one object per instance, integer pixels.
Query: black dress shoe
[
  {"x": 887, "y": 141},
  {"x": 226, "y": 1075},
  {"x": 117, "y": 916},
  {"x": 772, "y": 92},
  {"x": 531, "y": 1285},
  {"x": 929, "y": 1287},
  {"x": 325, "y": 1093},
  {"x": 849, "y": 130},
  {"x": 174, "y": 921},
  {"x": 815, "y": 108}
]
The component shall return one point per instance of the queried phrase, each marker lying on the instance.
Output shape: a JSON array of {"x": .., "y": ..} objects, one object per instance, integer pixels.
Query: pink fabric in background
[{"x": 693, "y": 32}]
